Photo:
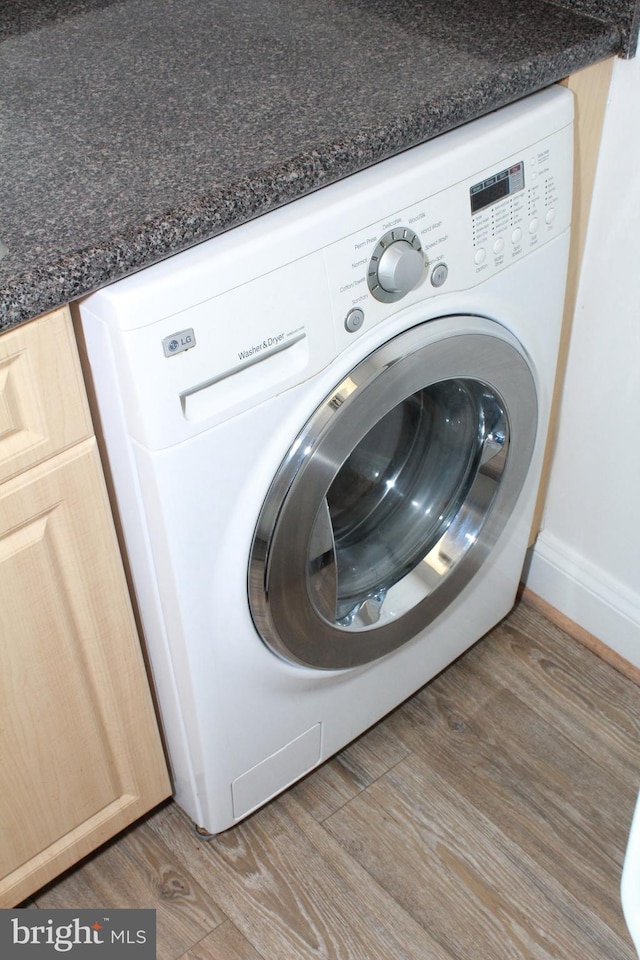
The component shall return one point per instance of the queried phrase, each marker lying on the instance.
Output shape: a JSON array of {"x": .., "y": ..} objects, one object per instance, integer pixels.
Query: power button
[
  {"x": 439, "y": 274},
  {"x": 354, "y": 320}
]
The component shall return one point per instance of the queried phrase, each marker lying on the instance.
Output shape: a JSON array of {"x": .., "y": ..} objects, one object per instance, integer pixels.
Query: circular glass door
[
  {"x": 392, "y": 495},
  {"x": 402, "y": 487}
]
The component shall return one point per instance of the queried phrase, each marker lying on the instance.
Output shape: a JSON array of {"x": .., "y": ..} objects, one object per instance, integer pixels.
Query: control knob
[{"x": 397, "y": 265}]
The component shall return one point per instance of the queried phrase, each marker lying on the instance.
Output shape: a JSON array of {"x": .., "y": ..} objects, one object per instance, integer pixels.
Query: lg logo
[{"x": 178, "y": 342}]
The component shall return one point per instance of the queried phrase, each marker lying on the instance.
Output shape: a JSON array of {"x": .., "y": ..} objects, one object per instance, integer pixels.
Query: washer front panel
[
  {"x": 197, "y": 443},
  {"x": 393, "y": 494}
]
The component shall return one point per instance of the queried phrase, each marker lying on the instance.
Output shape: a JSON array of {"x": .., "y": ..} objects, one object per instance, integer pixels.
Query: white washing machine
[{"x": 325, "y": 431}]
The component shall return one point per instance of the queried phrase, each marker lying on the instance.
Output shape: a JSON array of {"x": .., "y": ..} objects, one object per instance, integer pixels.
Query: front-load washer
[{"x": 324, "y": 429}]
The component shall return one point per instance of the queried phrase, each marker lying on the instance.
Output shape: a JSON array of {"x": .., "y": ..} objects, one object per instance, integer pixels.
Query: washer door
[{"x": 393, "y": 494}]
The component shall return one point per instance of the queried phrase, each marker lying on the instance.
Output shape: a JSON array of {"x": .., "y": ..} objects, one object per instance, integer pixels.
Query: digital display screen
[{"x": 494, "y": 188}]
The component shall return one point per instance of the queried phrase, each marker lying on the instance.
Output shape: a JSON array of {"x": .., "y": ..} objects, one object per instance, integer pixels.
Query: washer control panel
[{"x": 453, "y": 239}]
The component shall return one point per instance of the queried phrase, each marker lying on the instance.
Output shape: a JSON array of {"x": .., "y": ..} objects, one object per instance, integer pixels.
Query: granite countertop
[{"x": 131, "y": 130}]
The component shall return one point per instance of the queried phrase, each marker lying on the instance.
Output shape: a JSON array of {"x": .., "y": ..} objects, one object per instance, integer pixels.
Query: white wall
[{"x": 586, "y": 562}]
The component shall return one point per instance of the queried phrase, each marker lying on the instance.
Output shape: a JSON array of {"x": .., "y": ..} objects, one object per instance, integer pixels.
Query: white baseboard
[{"x": 585, "y": 594}]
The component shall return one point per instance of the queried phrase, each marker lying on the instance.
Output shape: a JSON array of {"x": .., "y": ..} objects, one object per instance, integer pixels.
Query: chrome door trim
[{"x": 279, "y": 590}]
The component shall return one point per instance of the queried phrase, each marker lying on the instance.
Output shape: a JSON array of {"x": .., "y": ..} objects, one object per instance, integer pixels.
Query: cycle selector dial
[{"x": 397, "y": 265}]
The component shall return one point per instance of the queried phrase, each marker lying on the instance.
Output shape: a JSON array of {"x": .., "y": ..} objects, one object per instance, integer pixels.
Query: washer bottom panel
[{"x": 276, "y": 772}]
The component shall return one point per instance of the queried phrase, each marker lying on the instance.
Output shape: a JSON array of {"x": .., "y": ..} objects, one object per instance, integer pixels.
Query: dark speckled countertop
[{"x": 131, "y": 130}]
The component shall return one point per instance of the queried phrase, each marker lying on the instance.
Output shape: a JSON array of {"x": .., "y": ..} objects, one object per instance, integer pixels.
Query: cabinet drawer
[{"x": 43, "y": 407}]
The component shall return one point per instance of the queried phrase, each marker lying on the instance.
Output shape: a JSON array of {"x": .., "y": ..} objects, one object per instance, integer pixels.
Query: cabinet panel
[
  {"x": 79, "y": 746},
  {"x": 590, "y": 88},
  {"x": 43, "y": 406}
]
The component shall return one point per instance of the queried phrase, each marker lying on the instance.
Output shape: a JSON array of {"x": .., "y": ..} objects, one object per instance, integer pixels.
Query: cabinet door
[
  {"x": 80, "y": 752},
  {"x": 43, "y": 406}
]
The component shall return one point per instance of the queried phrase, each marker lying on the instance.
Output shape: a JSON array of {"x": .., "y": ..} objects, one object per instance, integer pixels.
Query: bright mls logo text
[
  {"x": 68, "y": 935},
  {"x": 120, "y": 932}
]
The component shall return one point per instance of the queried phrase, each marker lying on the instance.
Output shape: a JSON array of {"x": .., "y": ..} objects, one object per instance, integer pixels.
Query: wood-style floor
[{"x": 485, "y": 819}]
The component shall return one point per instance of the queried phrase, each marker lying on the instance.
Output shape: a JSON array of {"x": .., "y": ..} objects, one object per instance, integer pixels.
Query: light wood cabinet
[
  {"x": 80, "y": 752},
  {"x": 590, "y": 88}
]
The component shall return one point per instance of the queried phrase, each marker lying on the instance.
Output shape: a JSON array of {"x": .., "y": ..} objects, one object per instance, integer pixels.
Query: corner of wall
[{"x": 585, "y": 594}]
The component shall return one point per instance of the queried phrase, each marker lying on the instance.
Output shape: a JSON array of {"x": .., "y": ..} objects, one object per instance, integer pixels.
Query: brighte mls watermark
[{"x": 80, "y": 934}]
